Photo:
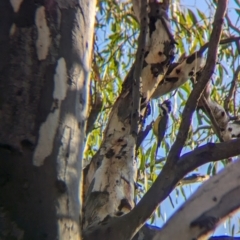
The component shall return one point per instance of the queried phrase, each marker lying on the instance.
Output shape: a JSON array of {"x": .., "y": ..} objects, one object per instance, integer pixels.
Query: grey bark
[{"x": 44, "y": 66}]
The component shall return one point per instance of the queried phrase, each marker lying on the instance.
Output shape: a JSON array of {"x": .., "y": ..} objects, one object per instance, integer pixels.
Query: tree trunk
[{"x": 45, "y": 58}]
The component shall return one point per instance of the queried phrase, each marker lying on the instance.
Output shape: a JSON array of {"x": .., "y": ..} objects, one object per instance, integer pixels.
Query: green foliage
[{"x": 116, "y": 33}]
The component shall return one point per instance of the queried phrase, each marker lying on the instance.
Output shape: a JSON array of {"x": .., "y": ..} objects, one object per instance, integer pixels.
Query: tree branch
[
  {"x": 143, "y": 134},
  {"x": 195, "y": 219},
  {"x": 169, "y": 177},
  {"x": 170, "y": 83},
  {"x": 208, "y": 111},
  {"x": 230, "y": 24},
  {"x": 231, "y": 90},
  {"x": 223, "y": 41},
  {"x": 209, "y": 152},
  {"x": 148, "y": 232},
  {"x": 199, "y": 87},
  {"x": 137, "y": 82}
]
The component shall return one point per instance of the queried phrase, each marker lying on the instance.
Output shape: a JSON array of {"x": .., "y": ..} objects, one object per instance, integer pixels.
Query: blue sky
[
  {"x": 233, "y": 224},
  {"x": 176, "y": 196}
]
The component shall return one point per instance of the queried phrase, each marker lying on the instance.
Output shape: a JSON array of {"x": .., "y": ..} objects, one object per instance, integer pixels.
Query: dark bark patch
[
  {"x": 25, "y": 143},
  {"x": 172, "y": 79},
  {"x": 110, "y": 153},
  {"x": 146, "y": 53},
  {"x": 124, "y": 152},
  {"x": 98, "y": 164},
  {"x": 152, "y": 26},
  {"x": 143, "y": 100},
  {"x": 191, "y": 73},
  {"x": 191, "y": 58},
  {"x": 105, "y": 220},
  {"x": 119, "y": 213},
  {"x": 214, "y": 199},
  {"x": 206, "y": 222},
  {"x": 171, "y": 67},
  {"x": 19, "y": 92},
  {"x": 229, "y": 129},
  {"x": 61, "y": 186},
  {"x": 156, "y": 69},
  {"x": 9, "y": 148},
  {"x": 124, "y": 204},
  {"x": 46, "y": 95},
  {"x": 223, "y": 114},
  {"x": 178, "y": 71},
  {"x": 6, "y": 20},
  {"x": 144, "y": 64},
  {"x": 25, "y": 17}
]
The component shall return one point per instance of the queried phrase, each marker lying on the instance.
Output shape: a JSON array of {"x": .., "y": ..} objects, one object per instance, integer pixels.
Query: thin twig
[
  {"x": 230, "y": 24},
  {"x": 137, "y": 83},
  {"x": 231, "y": 90},
  {"x": 199, "y": 87},
  {"x": 213, "y": 120},
  {"x": 143, "y": 134}
]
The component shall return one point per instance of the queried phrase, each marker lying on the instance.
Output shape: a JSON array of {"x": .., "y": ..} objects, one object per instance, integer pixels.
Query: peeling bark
[
  {"x": 45, "y": 61},
  {"x": 206, "y": 208},
  {"x": 115, "y": 178}
]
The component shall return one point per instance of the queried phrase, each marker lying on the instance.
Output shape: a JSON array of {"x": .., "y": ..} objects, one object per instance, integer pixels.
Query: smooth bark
[{"x": 44, "y": 68}]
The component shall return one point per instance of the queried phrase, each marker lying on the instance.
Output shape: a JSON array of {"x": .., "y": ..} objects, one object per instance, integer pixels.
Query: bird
[{"x": 160, "y": 124}]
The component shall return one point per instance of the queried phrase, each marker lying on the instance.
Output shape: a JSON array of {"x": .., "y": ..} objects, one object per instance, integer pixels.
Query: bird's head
[{"x": 166, "y": 107}]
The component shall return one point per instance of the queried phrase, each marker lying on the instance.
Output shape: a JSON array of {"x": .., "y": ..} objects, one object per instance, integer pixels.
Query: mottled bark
[
  {"x": 148, "y": 232},
  {"x": 111, "y": 192},
  {"x": 45, "y": 60},
  {"x": 206, "y": 208}
]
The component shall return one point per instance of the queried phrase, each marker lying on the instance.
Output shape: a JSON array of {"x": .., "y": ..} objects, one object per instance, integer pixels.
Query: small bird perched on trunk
[{"x": 160, "y": 124}]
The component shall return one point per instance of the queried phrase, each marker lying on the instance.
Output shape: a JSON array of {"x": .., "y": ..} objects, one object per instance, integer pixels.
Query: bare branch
[
  {"x": 231, "y": 90},
  {"x": 143, "y": 134},
  {"x": 199, "y": 87},
  {"x": 194, "y": 178},
  {"x": 137, "y": 82},
  {"x": 148, "y": 232},
  {"x": 162, "y": 187},
  {"x": 195, "y": 219},
  {"x": 230, "y": 24},
  {"x": 96, "y": 106},
  {"x": 178, "y": 73},
  {"x": 207, "y": 109},
  {"x": 223, "y": 41},
  {"x": 169, "y": 177}
]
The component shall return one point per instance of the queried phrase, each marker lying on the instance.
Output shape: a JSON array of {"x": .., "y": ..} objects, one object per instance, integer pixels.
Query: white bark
[
  {"x": 113, "y": 183},
  {"x": 206, "y": 208},
  {"x": 191, "y": 65}
]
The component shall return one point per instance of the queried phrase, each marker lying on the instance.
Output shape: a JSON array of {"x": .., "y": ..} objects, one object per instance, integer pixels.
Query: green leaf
[
  {"x": 209, "y": 169},
  {"x": 201, "y": 14},
  {"x": 238, "y": 11},
  {"x": 192, "y": 16},
  {"x": 183, "y": 193}
]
